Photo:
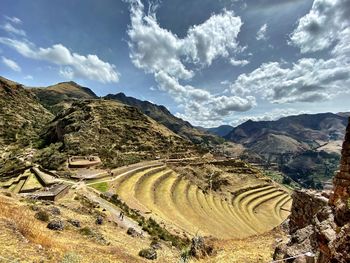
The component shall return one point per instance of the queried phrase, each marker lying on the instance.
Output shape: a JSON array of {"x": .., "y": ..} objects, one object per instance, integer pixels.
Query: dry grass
[{"x": 22, "y": 221}]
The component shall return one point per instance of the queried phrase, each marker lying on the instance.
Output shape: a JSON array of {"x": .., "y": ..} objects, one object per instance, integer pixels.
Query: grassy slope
[
  {"x": 22, "y": 117},
  {"x": 163, "y": 116},
  {"x": 111, "y": 129}
]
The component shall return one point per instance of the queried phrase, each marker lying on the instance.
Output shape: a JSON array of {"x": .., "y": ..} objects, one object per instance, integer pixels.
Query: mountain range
[{"x": 77, "y": 121}]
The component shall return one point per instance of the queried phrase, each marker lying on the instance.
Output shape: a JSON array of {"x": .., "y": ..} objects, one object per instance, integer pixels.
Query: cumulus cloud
[
  {"x": 200, "y": 106},
  {"x": 154, "y": 48},
  {"x": 72, "y": 64},
  {"x": 162, "y": 53},
  {"x": 261, "y": 34},
  {"x": 322, "y": 26},
  {"x": 9, "y": 28},
  {"x": 11, "y": 64},
  {"x": 308, "y": 79}
]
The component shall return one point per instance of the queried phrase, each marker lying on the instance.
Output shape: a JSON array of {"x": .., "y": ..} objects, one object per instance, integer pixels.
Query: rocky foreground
[{"x": 319, "y": 223}]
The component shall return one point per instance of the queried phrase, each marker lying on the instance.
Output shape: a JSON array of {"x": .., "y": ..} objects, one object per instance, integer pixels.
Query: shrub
[
  {"x": 42, "y": 216},
  {"x": 87, "y": 231},
  {"x": 70, "y": 257}
]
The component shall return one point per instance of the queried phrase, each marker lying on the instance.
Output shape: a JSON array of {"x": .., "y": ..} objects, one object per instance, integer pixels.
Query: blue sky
[{"x": 209, "y": 62}]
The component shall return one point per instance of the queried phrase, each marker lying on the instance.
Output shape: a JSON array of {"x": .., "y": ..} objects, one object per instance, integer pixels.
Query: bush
[
  {"x": 87, "y": 231},
  {"x": 70, "y": 257},
  {"x": 51, "y": 157},
  {"x": 42, "y": 216}
]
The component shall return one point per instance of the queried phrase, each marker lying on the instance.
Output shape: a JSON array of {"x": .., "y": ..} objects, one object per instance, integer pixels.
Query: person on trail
[{"x": 121, "y": 215}]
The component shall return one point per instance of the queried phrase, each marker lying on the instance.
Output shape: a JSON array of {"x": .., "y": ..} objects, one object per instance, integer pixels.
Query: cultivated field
[{"x": 184, "y": 208}]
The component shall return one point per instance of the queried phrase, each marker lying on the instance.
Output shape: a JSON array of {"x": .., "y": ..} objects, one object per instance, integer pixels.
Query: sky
[{"x": 209, "y": 62}]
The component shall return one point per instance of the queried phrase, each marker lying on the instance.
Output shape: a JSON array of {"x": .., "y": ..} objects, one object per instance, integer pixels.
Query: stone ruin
[
  {"x": 320, "y": 221},
  {"x": 83, "y": 161}
]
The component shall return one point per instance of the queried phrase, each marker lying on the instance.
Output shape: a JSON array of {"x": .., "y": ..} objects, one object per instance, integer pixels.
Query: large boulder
[
  {"x": 199, "y": 248},
  {"x": 57, "y": 225},
  {"x": 148, "y": 253}
]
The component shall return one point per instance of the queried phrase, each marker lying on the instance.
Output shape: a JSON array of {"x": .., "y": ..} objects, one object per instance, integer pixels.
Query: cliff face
[{"x": 320, "y": 221}]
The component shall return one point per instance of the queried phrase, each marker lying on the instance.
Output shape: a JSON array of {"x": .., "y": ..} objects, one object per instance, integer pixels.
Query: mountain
[
  {"x": 306, "y": 146},
  {"x": 59, "y": 96},
  {"x": 162, "y": 115},
  {"x": 22, "y": 117},
  {"x": 118, "y": 133},
  {"x": 308, "y": 131},
  {"x": 221, "y": 131}
]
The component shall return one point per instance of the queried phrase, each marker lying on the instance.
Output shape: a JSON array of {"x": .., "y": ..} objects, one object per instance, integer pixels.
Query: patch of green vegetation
[
  {"x": 348, "y": 203},
  {"x": 42, "y": 216},
  {"x": 51, "y": 157},
  {"x": 70, "y": 257},
  {"x": 87, "y": 231},
  {"x": 148, "y": 224},
  {"x": 102, "y": 187},
  {"x": 281, "y": 179}
]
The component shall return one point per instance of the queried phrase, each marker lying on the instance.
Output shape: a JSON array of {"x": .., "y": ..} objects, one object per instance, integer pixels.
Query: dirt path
[{"x": 114, "y": 211}]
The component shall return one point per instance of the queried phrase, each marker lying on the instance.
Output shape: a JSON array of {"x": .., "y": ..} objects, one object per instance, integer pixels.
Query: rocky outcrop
[
  {"x": 340, "y": 200},
  {"x": 305, "y": 205},
  {"x": 320, "y": 222}
]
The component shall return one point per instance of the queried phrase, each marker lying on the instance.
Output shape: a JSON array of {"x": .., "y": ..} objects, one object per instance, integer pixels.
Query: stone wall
[
  {"x": 305, "y": 206},
  {"x": 340, "y": 198}
]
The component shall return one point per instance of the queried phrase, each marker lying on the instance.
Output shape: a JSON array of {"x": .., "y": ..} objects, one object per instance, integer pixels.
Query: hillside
[
  {"x": 59, "y": 96},
  {"x": 162, "y": 115},
  {"x": 22, "y": 117},
  {"x": 303, "y": 146},
  {"x": 221, "y": 131},
  {"x": 109, "y": 128}
]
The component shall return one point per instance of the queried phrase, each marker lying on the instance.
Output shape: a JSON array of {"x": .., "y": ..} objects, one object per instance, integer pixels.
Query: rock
[
  {"x": 199, "y": 249},
  {"x": 132, "y": 232},
  {"x": 156, "y": 245},
  {"x": 55, "y": 210},
  {"x": 57, "y": 225},
  {"x": 148, "y": 253},
  {"x": 99, "y": 220},
  {"x": 74, "y": 222}
]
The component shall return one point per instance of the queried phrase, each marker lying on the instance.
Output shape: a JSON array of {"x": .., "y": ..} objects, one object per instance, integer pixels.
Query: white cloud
[
  {"x": 322, "y": 26},
  {"x": 308, "y": 79},
  {"x": 165, "y": 55},
  {"x": 72, "y": 64},
  {"x": 14, "y": 20},
  {"x": 261, "y": 34},
  {"x": 11, "y": 64},
  {"x": 215, "y": 38},
  {"x": 154, "y": 48},
  {"x": 9, "y": 28},
  {"x": 200, "y": 106},
  {"x": 241, "y": 63}
]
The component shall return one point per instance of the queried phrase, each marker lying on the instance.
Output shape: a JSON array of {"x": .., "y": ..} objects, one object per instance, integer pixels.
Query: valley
[{"x": 128, "y": 179}]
